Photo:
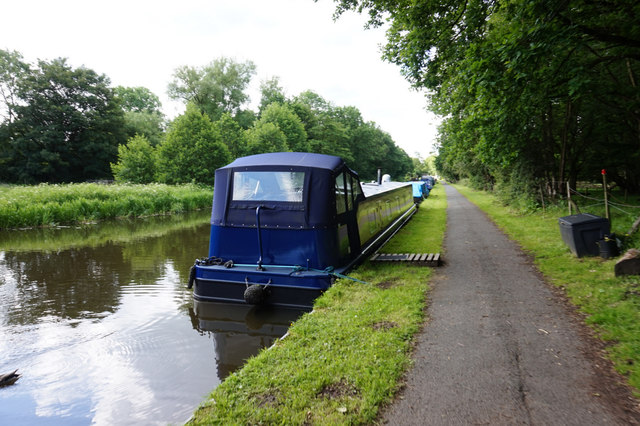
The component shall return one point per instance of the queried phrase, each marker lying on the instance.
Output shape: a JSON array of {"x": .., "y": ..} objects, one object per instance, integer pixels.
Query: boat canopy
[{"x": 292, "y": 189}]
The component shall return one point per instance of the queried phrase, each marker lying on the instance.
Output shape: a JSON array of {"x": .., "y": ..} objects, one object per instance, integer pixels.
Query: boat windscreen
[{"x": 268, "y": 186}]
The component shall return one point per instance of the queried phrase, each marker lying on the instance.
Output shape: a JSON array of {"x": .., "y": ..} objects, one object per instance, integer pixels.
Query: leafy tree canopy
[
  {"x": 136, "y": 161},
  {"x": 142, "y": 113},
  {"x": 271, "y": 93},
  {"x": 265, "y": 137},
  {"x": 62, "y": 124},
  {"x": 534, "y": 93},
  {"x": 66, "y": 127},
  {"x": 215, "y": 88},
  {"x": 138, "y": 99},
  {"x": 12, "y": 70},
  {"x": 192, "y": 149},
  {"x": 289, "y": 123}
]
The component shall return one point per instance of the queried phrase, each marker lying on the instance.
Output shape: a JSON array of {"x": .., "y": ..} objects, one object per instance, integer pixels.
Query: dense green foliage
[
  {"x": 304, "y": 123},
  {"x": 137, "y": 161},
  {"x": 58, "y": 124},
  {"x": 534, "y": 93},
  {"x": 64, "y": 125},
  {"x": 344, "y": 361},
  {"x": 142, "y": 113},
  {"x": 24, "y": 206},
  {"x": 215, "y": 88},
  {"x": 192, "y": 150}
]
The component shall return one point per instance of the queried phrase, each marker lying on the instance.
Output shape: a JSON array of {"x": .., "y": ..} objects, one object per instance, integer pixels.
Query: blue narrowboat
[
  {"x": 420, "y": 191},
  {"x": 430, "y": 181},
  {"x": 284, "y": 225}
]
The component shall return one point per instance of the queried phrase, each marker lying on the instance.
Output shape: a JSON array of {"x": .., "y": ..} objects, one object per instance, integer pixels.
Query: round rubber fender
[{"x": 255, "y": 294}]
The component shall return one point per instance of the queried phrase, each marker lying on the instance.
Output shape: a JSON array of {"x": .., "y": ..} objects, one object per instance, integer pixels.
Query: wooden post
[
  {"x": 569, "y": 197},
  {"x": 606, "y": 196}
]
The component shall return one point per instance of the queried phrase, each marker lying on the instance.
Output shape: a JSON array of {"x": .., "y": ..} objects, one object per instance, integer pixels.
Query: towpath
[{"x": 500, "y": 346}]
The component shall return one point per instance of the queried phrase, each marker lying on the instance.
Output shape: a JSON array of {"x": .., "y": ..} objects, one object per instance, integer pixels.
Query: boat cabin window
[
  {"x": 268, "y": 186},
  {"x": 347, "y": 192},
  {"x": 341, "y": 205},
  {"x": 357, "y": 190}
]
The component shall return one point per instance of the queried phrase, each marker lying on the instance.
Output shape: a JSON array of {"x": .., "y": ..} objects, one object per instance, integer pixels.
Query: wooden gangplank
[{"x": 425, "y": 259}]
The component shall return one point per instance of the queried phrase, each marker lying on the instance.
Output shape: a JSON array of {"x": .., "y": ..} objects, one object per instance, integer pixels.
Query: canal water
[{"x": 98, "y": 320}]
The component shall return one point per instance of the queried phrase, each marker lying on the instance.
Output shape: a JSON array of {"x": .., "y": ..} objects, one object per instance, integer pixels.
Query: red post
[{"x": 606, "y": 196}]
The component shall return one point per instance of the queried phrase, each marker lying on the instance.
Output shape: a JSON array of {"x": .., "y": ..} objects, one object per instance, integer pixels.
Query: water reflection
[
  {"x": 100, "y": 323},
  {"x": 239, "y": 332}
]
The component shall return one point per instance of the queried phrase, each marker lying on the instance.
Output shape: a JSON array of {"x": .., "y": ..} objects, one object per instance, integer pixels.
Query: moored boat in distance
[
  {"x": 284, "y": 225},
  {"x": 420, "y": 191}
]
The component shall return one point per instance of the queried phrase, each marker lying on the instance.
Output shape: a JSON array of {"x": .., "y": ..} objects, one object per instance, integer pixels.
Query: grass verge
[
  {"x": 45, "y": 204},
  {"x": 612, "y": 304},
  {"x": 345, "y": 359}
]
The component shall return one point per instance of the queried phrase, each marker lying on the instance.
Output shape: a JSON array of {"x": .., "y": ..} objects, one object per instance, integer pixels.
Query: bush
[
  {"x": 192, "y": 150},
  {"x": 136, "y": 161}
]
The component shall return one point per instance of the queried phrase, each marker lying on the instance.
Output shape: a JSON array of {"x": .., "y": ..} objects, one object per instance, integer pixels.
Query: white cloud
[{"x": 141, "y": 43}]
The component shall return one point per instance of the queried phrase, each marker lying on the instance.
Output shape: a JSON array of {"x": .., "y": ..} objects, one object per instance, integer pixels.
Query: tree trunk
[{"x": 564, "y": 141}]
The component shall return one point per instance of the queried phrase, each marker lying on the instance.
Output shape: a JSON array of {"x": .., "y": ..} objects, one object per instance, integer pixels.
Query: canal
[{"x": 98, "y": 320}]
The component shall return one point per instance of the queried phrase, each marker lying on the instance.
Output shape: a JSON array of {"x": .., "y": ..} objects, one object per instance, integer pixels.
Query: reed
[
  {"x": 95, "y": 234},
  {"x": 50, "y": 205}
]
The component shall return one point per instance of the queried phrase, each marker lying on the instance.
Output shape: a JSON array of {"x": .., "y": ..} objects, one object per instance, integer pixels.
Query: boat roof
[
  {"x": 299, "y": 159},
  {"x": 373, "y": 188}
]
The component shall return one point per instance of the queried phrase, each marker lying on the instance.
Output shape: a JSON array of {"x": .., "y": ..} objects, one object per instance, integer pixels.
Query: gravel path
[{"x": 500, "y": 346}]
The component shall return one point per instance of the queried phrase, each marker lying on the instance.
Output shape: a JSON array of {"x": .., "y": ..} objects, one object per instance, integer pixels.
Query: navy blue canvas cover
[{"x": 316, "y": 210}]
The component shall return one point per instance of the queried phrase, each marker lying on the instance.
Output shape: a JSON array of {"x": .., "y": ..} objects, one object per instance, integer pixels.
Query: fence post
[
  {"x": 569, "y": 197},
  {"x": 606, "y": 196}
]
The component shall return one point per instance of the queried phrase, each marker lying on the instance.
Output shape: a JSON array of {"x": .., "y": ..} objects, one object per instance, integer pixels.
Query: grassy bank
[
  {"x": 344, "y": 360},
  {"x": 28, "y": 206},
  {"x": 120, "y": 231},
  {"x": 612, "y": 304}
]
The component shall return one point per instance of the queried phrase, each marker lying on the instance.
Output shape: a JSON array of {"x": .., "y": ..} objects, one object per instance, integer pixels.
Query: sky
[{"x": 141, "y": 43}]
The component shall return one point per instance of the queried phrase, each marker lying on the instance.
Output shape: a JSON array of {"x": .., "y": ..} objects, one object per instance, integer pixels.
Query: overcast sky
[{"x": 141, "y": 43}]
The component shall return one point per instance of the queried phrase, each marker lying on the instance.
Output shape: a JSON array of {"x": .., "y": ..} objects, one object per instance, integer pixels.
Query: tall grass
[
  {"x": 341, "y": 362},
  {"x": 119, "y": 231},
  {"x": 45, "y": 204}
]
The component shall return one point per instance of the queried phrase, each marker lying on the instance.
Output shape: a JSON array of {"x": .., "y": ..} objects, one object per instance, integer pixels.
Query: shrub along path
[{"x": 501, "y": 346}]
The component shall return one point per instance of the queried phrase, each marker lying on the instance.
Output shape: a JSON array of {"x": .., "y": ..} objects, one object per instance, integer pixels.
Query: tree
[
  {"x": 534, "y": 93},
  {"x": 192, "y": 150},
  {"x": 271, "y": 92},
  {"x": 142, "y": 113},
  {"x": 265, "y": 137},
  {"x": 67, "y": 125},
  {"x": 245, "y": 118},
  {"x": 372, "y": 151},
  {"x": 12, "y": 71},
  {"x": 216, "y": 88},
  {"x": 148, "y": 124},
  {"x": 138, "y": 99},
  {"x": 232, "y": 135},
  {"x": 136, "y": 161},
  {"x": 325, "y": 134},
  {"x": 289, "y": 123}
]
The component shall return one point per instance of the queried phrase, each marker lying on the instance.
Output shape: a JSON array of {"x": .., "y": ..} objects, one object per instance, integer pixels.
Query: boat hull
[{"x": 278, "y": 286}]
